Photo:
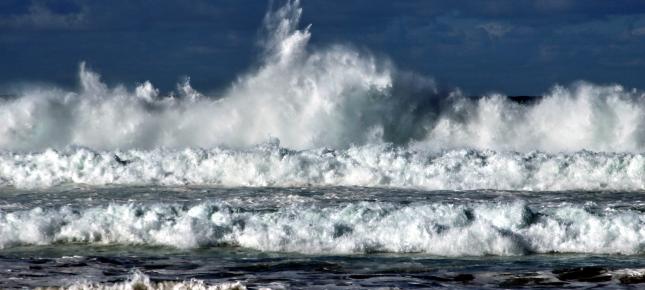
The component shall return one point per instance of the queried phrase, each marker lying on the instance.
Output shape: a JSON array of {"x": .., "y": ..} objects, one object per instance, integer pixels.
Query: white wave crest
[
  {"x": 362, "y": 227},
  {"x": 371, "y": 165},
  {"x": 334, "y": 96},
  {"x": 301, "y": 97},
  {"x": 583, "y": 116}
]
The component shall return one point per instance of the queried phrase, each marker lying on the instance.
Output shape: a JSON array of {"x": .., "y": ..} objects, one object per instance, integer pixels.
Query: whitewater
[
  {"x": 369, "y": 165},
  {"x": 319, "y": 168},
  {"x": 311, "y": 98},
  {"x": 363, "y": 227},
  {"x": 341, "y": 118}
]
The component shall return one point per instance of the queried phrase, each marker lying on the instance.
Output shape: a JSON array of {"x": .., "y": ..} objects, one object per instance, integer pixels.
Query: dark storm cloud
[{"x": 517, "y": 47}]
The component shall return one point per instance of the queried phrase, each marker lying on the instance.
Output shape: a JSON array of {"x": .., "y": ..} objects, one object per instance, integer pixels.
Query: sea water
[
  {"x": 318, "y": 237},
  {"x": 320, "y": 168}
]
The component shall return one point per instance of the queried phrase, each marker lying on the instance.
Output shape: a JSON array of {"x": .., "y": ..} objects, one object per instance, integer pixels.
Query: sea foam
[
  {"x": 493, "y": 228},
  {"x": 333, "y": 96},
  {"x": 370, "y": 165},
  {"x": 140, "y": 280}
]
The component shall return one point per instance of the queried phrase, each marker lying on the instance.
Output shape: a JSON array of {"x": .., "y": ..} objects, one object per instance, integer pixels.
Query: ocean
[
  {"x": 312, "y": 237},
  {"x": 320, "y": 168}
]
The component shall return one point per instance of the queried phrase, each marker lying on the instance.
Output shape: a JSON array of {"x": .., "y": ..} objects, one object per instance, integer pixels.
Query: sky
[{"x": 506, "y": 46}]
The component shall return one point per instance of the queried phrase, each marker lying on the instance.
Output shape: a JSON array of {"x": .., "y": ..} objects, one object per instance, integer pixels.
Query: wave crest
[
  {"x": 371, "y": 165},
  {"x": 308, "y": 98},
  {"x": 361, "y": 227}
]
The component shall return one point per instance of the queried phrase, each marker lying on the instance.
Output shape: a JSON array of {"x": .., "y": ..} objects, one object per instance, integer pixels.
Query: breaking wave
[
  {"x": 312, "y": 98},
  {"x": 370, "y": 165},
  {"x": 493, "y": 228}
]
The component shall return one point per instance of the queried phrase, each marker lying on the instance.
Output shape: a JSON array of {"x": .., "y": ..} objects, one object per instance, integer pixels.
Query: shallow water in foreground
[{"x": 326, "y": 237}]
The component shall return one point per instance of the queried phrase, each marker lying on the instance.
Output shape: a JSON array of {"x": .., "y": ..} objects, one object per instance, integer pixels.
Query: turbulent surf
[
  {"x": 362, "y": 227},
  {"x": 369, "y": 165},
  {"x": 311, "y": 98},
  {"x": 322, "y": 168}
]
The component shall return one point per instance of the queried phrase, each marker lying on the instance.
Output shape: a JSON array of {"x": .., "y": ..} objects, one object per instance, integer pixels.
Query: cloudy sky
[{"x": 514, "y": 47}]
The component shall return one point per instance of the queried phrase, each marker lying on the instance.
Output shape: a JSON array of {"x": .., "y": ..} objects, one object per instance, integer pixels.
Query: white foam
[
  {"x": 583, "y": 116},
  {"x": 139, "y": 280},
  {"x": 300, "y": 96},
  {"x": 370, "y": 165},
  {"x": 363, "y": 227},
  {"x": 334, "y": 96}
]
